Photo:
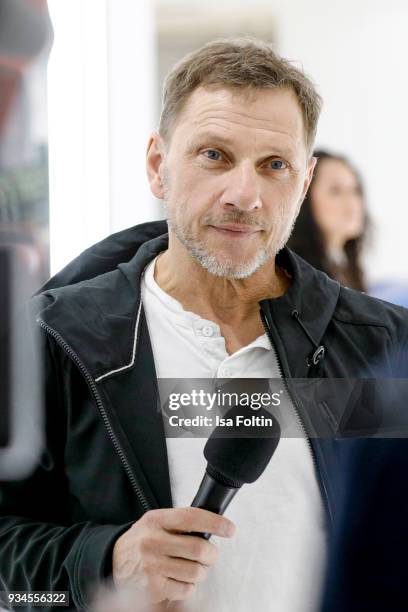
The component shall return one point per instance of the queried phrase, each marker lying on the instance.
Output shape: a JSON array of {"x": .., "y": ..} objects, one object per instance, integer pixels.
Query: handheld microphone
[{"x": 236, "y": 455}]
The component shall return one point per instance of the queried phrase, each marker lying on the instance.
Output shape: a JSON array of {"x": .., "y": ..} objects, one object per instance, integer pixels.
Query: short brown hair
[{"x": 237, "y": 63}]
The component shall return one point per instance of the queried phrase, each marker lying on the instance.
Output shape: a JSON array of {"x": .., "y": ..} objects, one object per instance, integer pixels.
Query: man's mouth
[{"x": 235, "y": 229}]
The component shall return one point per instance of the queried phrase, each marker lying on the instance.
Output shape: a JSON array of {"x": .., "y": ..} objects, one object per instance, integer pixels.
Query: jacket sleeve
[{"x": 40, "y": 548}]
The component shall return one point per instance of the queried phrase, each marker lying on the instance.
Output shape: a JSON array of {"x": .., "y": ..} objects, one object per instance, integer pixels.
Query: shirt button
[
  {"x": 226, "y": 373},
  {"x": 207, "y": 331}
]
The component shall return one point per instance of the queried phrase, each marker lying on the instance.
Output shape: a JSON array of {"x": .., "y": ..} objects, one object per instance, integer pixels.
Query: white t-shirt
[{"x": 275, "y": 561}]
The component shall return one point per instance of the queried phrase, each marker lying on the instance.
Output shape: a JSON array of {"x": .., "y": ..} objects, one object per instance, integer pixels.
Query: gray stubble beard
[{"x": 210, "y": 262}]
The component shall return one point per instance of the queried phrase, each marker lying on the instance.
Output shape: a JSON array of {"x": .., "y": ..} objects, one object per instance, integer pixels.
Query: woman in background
[{"x": 331, "y": 229}]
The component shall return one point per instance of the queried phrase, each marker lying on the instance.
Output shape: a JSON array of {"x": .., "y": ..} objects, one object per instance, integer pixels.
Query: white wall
[
  {"x": 78, "y": 119},
  {"x": 100, "y": 107},
  {"x": 132, "y": 99}
]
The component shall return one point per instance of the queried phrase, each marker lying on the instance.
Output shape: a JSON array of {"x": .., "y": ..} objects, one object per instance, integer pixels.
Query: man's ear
[
  {"x": 155, "y": 157},
  {"x": 309, "y": 175}
]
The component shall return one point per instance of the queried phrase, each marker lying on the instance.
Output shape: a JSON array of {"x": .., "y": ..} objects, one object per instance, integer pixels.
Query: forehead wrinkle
[
  {"x": 271, "y": 114},
  {"x": 206, "y": 129},
  {"x": 226, "y": 116}
]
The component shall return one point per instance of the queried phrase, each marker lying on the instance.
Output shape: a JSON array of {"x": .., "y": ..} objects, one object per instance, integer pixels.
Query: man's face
[{"x": 234, "y": 174}]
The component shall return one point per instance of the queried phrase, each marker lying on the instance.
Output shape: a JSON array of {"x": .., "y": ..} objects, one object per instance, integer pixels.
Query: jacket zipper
[
  {"x": 297, "y": 413},
  {"x": 92, "y": 386}
]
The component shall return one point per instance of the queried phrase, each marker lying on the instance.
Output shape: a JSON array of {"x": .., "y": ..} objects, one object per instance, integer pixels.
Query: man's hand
[{"x": 156, "y": 555}]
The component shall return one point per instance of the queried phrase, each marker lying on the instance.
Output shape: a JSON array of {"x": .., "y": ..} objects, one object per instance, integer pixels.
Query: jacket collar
[
  {"x": 313, "y": 295},
  {"x": 99, "y": 318}
]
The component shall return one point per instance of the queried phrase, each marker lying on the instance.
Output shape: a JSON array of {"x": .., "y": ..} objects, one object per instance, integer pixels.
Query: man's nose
[{"x": 243, "y": 188}]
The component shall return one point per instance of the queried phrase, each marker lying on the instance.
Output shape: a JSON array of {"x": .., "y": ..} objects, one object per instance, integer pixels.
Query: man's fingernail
[{"x": 229, "y": 529}]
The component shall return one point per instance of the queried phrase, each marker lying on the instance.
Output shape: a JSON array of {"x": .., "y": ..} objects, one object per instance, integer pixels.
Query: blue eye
[
  {"x": 278, "y": 164},
  {"x": 212, "y": 154}
]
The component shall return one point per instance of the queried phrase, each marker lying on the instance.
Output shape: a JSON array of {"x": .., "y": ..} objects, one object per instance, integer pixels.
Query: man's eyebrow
[
  {"x": 215, "y": 138},
  {"x": 208, "y": 136}
]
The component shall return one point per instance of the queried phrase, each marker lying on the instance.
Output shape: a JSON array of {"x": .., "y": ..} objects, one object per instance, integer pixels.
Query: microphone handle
[{"x": 212, "y": 496}]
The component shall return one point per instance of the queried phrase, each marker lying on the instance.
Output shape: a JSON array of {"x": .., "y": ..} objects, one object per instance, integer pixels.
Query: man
[{"x": 219, "y": 297}]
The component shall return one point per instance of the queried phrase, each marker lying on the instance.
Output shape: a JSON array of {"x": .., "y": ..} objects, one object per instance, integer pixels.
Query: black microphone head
[{"x": 239, "y": 453}]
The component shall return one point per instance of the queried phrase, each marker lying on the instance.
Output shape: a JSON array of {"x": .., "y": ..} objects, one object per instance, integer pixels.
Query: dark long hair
[{"x": 307, "y": 238}]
